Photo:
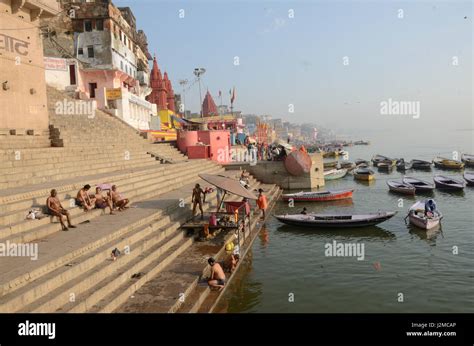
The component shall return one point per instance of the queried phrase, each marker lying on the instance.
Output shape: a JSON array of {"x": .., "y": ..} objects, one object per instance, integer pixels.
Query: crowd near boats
[{"x": 423, "y": 214}]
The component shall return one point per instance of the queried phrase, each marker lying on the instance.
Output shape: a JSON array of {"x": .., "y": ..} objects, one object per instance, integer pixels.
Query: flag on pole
[{"x": 232, "y": 97}]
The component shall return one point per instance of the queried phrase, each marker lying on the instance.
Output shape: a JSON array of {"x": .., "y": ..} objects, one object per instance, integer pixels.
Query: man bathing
[
  {"x": 217, "y": 278},
  {"x": 84, "y": 200},
  {"x": 102, "y": 202},
  {"x": 56, "y": 209},
  {"x": 196, "y": 199},
  {"x": 118, "y": 200}
]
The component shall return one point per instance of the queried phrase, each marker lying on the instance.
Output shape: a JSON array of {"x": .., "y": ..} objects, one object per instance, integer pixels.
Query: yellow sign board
[{"x": 113, "y": 94}]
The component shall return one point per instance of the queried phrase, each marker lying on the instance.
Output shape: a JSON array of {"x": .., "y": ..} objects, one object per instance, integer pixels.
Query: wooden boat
[
  {"x": 377, "y": 159},
  {"x": 442, "y": 182},
  {"x": 385, "y": 166},
  {"x": 416, "y": 216},
  {"x": 361, "y": 161},
  {"x": 469, "y": 178},
  {"x": 330, "y": 164},
  {"x": 402, "y": 166},
  {"x": 418, "y": 184},
  {"x": 322, "y": 196},
  {"x": 331, "y": 153},
  {"x": 348, "y": 165},
  {"x": 468, "y": 160},
  {"x": 400, "y": 187},
  {"x": 335, "y": 220},
  {"x": 364, "y": 173},
  {"x": 361, "y": 143},
  {"x": 334, "y": 174},
  {"x": 443, "y": 163},
  {"x": 420, "y": 164}
]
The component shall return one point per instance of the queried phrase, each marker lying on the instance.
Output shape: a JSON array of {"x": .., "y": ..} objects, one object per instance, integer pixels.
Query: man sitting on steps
[
  {"x": 84, "y": 200},
  {"x": 56, "y": 209},
  {"x": 102, "y": 202},
  {"x": 117, "y": 199}
]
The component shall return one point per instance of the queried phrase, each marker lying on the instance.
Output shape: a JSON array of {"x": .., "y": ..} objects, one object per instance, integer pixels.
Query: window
[
  {"x": 99, "y": 24},
  {"x": 125, "y": 39},
  {"x": 87, "y": 25},
  {"x": 72, "y": 74},
  {"x": 90, "y": 51},
  {"x": 80, "y": 51},
  {"x": 121, "y": 65},
  {"x": 92, "y": 87}
]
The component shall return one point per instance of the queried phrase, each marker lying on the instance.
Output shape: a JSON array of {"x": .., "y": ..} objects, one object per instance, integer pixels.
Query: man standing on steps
[
  {"x": 56, "y": 209},
  {"x": 262, "y": 203},
  {"x": 196, "y": 199},
  {"x": 217, "y": 278}
]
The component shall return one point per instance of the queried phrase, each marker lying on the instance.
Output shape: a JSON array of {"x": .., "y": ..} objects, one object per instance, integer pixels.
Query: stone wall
[{"x": 274, "y": 172}]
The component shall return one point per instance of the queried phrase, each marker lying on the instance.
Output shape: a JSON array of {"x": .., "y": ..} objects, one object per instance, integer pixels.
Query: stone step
[
  {"x": 38, "y": 191},
  {"x": 39, "y": 166},
  {"x": 16, "y": 229},
  {"x": 17, "y": 293},
  {"x": 11, "y": 218},
  {"x": 122, "y": 294},
  {"x": 19, "y": 179},
  {"x": 10, "y": 211},
  {"x": 31, "y": 230}
]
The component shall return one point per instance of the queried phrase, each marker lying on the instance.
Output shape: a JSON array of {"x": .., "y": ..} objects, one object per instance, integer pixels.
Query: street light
[
  {"x": 198, "y": 72},
  {"x": 183, "y": 83}
]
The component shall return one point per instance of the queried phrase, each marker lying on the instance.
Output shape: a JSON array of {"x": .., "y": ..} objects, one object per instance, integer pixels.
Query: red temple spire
[
  {"x": 159, "y": 88},
  {"x": 209, "y": 107}
]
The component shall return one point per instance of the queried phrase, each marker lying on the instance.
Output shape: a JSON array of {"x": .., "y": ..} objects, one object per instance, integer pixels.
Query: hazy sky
[{"x": 300, "y": 60}]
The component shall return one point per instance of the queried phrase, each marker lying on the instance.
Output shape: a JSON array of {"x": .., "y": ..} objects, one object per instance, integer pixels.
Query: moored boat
[
  {"x": 361, "y": 142},
  {"x": 334, "y": 174},
  {"x": 364, "y": 173},
  {"x": 335, "y": 220},
  {"x": 443, "y": 163},
  {"x": 402, "y": 166},
  {"x": 385, "y": 166},
  {"x": 469, "y": 178},
  {"x": 442, "y": 182},
  {"x": 420, "y": 164},
  {"x": 321, "y": 196},
  {"x": 417, "y": 216},
  {"x": 330, "y": 164},
  {"x": 361, "y": 162},
  {"x": 378, "y": 159},
  {"x": 468, "y": 160},
  {"x": 400, "y": 187},
  {"x": 418, "y": 184},
  {"x": 348, "y": 165}
]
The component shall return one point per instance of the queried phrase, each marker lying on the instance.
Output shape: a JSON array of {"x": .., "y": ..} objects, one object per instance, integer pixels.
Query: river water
[{"x": 403, "y": 270}]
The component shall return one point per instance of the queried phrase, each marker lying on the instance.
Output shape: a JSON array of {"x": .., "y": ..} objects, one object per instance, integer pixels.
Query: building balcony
[
  {"x": 38, "y": 8},
  {"x": 143, "y": 77}
]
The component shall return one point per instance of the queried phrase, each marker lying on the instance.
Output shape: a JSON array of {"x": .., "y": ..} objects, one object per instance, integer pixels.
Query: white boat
[
  {"x": 335, "y": 174},
  {"x": 416, "y": 216}
]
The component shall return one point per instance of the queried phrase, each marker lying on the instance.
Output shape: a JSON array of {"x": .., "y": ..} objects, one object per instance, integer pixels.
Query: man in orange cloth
[{"x": 262, "y": 203}]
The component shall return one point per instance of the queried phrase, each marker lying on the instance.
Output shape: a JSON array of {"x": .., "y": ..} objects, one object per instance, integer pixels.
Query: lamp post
[
  {"x": 198, "y": 72},
  {"x": 183, "y": 83}
]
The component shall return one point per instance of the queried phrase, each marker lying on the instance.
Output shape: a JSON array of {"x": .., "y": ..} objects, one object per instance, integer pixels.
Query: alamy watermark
[
  {"x": 338, "y": 249},
  {"x": 237, "y": 155},
  {"x": 8, "y": 249},
  {"x": 392, "y": 107},
  {"x": 75, "y": 107}
]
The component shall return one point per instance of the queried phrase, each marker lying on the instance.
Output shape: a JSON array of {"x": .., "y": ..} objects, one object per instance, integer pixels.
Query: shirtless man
[
  {"x": 83, "y": 199},
  {"x": 117, "y": 200},
  {"x": 102, "y": 202},
  {"x": 56, "y": 209},
  {"x": 217, "y": 278},
  {"x": 196, "y": 199}
]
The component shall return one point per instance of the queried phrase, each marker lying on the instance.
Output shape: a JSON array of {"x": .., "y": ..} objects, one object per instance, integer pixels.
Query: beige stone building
[{"x": 23, "y": 104}]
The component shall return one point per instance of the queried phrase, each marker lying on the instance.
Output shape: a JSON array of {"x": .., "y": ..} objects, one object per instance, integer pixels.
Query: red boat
[{"x": 322, "y": 196}]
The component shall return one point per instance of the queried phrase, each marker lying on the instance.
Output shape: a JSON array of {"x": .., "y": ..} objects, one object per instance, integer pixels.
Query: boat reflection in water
[
  {"x": 428, "y": 235},
  {"x": 370, "y": 232}
]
